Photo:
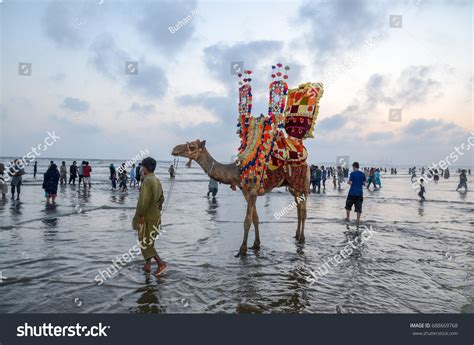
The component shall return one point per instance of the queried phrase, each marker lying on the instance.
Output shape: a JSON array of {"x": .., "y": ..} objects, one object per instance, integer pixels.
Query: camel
[{"x": 230, "y": 174}]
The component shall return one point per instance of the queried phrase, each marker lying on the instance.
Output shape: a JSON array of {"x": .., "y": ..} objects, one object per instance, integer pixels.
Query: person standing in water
[
  {"x": 73, "y": 173},
  {"x": 422, "y": 191},
  {"x": 355, "y": 196},
  {"x": 324, "y": 177},
  {"x": 340, "y": 177},
  {"x": 378, "y": 178},
  {"x": 213, "y": 187},
  {"x": 80, "y": 171},
  {"x": 113, "y": 176},
  {"x": 413, "y": 174},
  {"x": 35, "y": 169},
  {"x": 3, "y": 183},
  {"x": 63, "y": 173},
  {"x": 87, "y": 174},
  {"x": 147, "y": 217},
  {"x": 171, "y": 171},
  {"x": 133, "y": 176},
  {"x": 138, "y": 174},
  {"x": 462, "y": 181},
  {"x": 446, "y": 173},
  {"x": 50, "y": 183},
  {"x": 123, "y": 178},
  {"x": 318, "y": 179},
  {"x": 16, "y": 174}
]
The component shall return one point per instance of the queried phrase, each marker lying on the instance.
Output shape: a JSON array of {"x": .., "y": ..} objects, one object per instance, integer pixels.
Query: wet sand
[{"x": 419, "y": 261}]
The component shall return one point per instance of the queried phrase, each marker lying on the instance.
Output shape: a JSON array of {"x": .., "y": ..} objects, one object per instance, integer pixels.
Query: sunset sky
[{"x": 184, "y": 89}]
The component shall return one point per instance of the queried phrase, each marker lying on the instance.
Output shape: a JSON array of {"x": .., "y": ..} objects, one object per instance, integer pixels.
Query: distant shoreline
[{"x": 328, "y": 164}]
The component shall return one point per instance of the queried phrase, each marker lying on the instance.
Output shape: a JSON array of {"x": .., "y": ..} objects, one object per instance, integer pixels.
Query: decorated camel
[{"x": 268, "y": 158}]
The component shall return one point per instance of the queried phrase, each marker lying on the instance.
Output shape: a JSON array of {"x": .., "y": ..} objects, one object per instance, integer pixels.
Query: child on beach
[
  {"x": 422, "y": 190},
  {"x": 355, "y": 195},
  {"x": 147, "y": 217}
]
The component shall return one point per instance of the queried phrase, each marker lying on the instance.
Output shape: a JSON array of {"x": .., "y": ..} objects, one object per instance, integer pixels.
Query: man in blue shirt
[{"x": 355, "y": 196}]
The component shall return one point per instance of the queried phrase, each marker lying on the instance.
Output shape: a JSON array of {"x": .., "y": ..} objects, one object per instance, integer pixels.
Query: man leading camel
[{"x": 147, "y": 217}]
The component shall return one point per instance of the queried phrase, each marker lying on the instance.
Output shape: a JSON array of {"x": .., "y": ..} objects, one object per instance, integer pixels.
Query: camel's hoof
[
  {"x": 301, "y": 240},
  {"x": 242, "y": 252},
  {"x": 297, "y": 236},
  {"x": 255, "y": 247}
]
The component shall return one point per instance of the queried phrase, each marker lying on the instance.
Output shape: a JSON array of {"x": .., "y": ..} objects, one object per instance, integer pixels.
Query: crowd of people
[
  {"x": 319, "y": 176},
  {"x": 373, "y": 176},
  {"x": 55, "y": 176},
  {"x": 435, "y": 174}
]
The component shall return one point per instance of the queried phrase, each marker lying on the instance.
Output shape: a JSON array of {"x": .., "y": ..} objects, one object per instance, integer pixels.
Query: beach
[{"x": 419, "y": 259}]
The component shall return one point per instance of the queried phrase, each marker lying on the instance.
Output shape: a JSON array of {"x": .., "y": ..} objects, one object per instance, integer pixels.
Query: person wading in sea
[
  {"x": 50, "y": 183},
  {"x": 355, "y": 195},
  {"x": 147, "y": 217},
  {"x": 73, "y": 173}
]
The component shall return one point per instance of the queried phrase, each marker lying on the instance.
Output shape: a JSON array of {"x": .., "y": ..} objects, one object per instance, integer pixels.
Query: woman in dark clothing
[{"x": 50, "y": 183}]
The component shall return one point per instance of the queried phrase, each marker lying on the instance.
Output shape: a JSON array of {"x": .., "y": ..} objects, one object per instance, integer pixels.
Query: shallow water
[{"x": 419, "y": 260}]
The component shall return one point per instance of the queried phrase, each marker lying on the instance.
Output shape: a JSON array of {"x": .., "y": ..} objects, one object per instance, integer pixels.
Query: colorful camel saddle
[{"x": 267, "y": 156}]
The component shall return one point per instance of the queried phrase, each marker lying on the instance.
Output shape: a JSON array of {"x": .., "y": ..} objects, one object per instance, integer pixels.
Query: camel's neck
[{"x": 223, "y": 173}]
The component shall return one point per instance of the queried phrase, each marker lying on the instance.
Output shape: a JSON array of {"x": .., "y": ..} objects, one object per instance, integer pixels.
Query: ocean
[{"x": 420, "y": 258}]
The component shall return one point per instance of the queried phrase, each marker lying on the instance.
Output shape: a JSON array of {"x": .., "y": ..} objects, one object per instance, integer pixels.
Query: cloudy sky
[{"x": 417, "y": 64}]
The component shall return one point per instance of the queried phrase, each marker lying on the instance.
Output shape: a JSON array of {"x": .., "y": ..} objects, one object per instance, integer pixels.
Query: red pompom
[
  {"x": 285, "y": 77},
  {"x": 279, "y": 74},
  {"x": 279, "y": 64},
  {"x": 273, "y": 76}
]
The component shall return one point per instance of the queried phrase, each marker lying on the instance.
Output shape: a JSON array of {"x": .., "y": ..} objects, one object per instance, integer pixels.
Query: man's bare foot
[
  {"x": 347, "y": 220},
  {"x": 147, "y": 268},
  {"x": 161, "y": 269}
]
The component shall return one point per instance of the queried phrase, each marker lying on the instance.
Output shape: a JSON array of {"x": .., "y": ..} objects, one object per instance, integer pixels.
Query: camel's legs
[
  {"x": 251, "y": 198},
  {"x": 256, "y": 243},
  {"x": 298, "y": 210},
  {"x": 302, "y": 205}
]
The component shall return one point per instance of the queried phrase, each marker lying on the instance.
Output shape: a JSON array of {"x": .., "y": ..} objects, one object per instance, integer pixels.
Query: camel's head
[{"x": 191, "y": 150}]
